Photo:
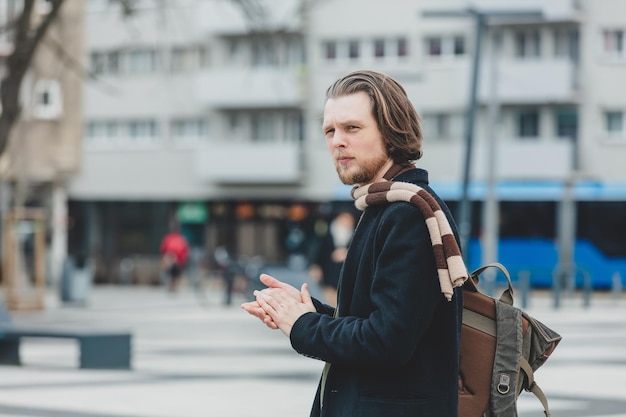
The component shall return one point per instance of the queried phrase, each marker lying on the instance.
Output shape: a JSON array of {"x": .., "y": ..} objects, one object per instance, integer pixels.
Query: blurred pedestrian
[
  {"x": 330, "y": 254},
  {"x": 229, "y": 270},
  {"x": 391, "y": 346},
  {"x": 174, "y": 255}
]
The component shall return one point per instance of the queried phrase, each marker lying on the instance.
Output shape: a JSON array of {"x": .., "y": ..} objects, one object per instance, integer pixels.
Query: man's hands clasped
[{"x": 280, "y": 304}]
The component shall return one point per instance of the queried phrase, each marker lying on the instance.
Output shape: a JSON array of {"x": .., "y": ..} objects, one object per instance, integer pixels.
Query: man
[{"x": 392, "y": 345}]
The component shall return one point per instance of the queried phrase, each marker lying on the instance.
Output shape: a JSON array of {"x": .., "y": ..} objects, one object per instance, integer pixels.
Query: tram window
[
  {"x": 603, "y": 223},
  {"x": 527, "y": 219}
]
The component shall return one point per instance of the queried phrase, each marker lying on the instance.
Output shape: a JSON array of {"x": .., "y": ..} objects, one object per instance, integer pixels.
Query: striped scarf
[{"x": 450, "y": 266}]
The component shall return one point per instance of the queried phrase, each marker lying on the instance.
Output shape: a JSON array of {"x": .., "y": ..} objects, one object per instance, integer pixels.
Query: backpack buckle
[{"x": 504, "y": 385}]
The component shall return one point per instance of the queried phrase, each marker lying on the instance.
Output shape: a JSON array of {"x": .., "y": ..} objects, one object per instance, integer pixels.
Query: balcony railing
[
  {"x": 515, "y": 159},
  {"x": 251, "y": 87},
  {"x": 250, "y": 163},
  {"x": 530, "y": 81}
]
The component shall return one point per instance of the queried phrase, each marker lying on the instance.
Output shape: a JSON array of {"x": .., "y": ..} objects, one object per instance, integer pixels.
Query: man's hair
[{"x": 395, "y": 115}]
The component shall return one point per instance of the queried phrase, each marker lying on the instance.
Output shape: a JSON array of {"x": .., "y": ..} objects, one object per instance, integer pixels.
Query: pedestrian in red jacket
[{"x": 174, "y": 256}]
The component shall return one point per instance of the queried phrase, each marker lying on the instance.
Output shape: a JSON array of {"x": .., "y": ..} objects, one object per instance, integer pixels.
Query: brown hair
[{"x": 395, "y": 115}]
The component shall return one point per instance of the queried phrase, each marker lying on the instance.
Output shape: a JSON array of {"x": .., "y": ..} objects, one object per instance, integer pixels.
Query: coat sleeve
[{"x": 403, "y": 295}]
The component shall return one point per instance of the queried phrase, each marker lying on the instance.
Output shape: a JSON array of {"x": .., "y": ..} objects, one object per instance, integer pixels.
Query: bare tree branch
[
  {"x": 25, "y": 44},
  {"x": 74, "y": 64}
]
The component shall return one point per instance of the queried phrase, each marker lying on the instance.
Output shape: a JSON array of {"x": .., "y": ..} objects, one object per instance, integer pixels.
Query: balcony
[
  {"x": 547, "y": 159},
  {"x": 230, "y": 18},
  {"x": 530, "y": 81},
  {"x": 251, "y": 88},
  {"x": 249, "y": 163}
]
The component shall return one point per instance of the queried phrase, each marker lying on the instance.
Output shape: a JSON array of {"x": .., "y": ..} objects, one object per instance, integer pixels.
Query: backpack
[{"x": 501, "y": 347}]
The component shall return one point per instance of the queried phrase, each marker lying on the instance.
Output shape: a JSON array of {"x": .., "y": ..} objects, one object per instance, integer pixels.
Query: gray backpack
[{"x": 501, "y": 347}]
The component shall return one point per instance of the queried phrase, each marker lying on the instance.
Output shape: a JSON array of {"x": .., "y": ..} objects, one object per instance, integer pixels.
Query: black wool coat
[{"x": 394, "y": 347}]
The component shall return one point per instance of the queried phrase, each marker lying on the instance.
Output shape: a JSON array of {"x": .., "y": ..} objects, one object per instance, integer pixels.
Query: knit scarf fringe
[{"x": 450, "y": 266}]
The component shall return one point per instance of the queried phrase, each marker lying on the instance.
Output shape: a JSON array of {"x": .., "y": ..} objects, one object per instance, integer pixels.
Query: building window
[
  {"x": 567, "y": 123},
  {"x": 567, "y": 43},
  {"x": 113, "y": 63},
  {"x": 185, "y": 59},
  {"x": 121, "y": 133},
  {"x": 142, "y": 129},
  {"x": 142, "y": 61},
  {"x": 379, "y": 48},
  {"x": 436, "y": 126},
  {"x": 434, "y": 46},
  {"x": 527, "y": 44},
  {"x": 353, "y": 49},
  {"x": 295, "y": 52},
  {"x": 264, "y": 53},
  {"x": 459, "y": 45},
  {"x": 98, "y": 62},
  {"x": 403, "y": 49},
  {"x": 613, "y": 45},
  {"x": 48, "y": 103},
  {"x": 236, "y": 52},
  {"x": 330, "y": 50},
  {"x": 528, "y": 124},
  {"x": 263, "y": 127},
  {"x": 294, "y": 127},
  {"x": 614, "y": 122},
  {"x": 111, "y": 130},
  {"x": 387, "y": 50},
  {"x": 190, "y": 131},
  {"x": 445, "y": 46}
]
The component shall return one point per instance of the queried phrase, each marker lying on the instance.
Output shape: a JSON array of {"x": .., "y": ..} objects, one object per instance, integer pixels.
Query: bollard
[
  {"x": 523, "y": 277},
  {"x": 587, "y": 288},
  {"x": 617, "y": 287},
  {"x": 556, "y": 288}
]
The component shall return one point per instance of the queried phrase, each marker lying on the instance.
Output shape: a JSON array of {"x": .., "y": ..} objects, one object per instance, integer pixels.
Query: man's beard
[{"x": 364, "y": 173}]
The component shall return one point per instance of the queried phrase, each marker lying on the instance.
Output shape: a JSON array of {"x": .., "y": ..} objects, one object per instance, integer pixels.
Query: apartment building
[{"x": 207, "y": 114}]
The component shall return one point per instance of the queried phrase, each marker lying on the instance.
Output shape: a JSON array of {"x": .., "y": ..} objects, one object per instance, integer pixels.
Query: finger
[
  {"x": 305, "y": 294},
  {"x": 249, "y": 304},
  {"x": 270, "y": 323},
  {"x": 255, "y": 310},
  {"x": 250, "y": 307},
  {"x": 266, "y": 302},
  {"x": 270, "y": 281}
]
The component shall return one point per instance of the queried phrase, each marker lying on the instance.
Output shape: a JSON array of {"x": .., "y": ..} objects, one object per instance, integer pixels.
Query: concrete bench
[{"x": 98, "y": 349}]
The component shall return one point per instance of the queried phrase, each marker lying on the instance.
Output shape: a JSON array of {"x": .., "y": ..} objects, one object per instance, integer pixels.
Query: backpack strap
[
  {"x": 531, "y": 385},
  {"x": 507, "y": 295}
]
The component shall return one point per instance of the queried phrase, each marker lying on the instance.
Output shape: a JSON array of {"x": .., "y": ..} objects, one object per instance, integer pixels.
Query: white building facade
[{"x": 208, "y": 113}]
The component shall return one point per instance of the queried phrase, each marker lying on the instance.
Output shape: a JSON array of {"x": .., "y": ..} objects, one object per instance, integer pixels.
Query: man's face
[{"x": 354, "y": 140}]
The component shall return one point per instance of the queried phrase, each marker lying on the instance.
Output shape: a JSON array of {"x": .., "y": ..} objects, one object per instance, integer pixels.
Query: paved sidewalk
[{"x": 192, "y": 356}]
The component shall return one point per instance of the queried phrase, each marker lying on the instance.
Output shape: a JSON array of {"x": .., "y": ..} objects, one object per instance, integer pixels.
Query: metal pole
[
  {"x": 566, "y": 236},
  {"x": 491, "y": 209},
  {"x": 465, "y": 209}
]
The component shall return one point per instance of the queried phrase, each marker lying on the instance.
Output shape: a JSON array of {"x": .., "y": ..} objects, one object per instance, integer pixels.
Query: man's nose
[{"x": 338, "y": 140}]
